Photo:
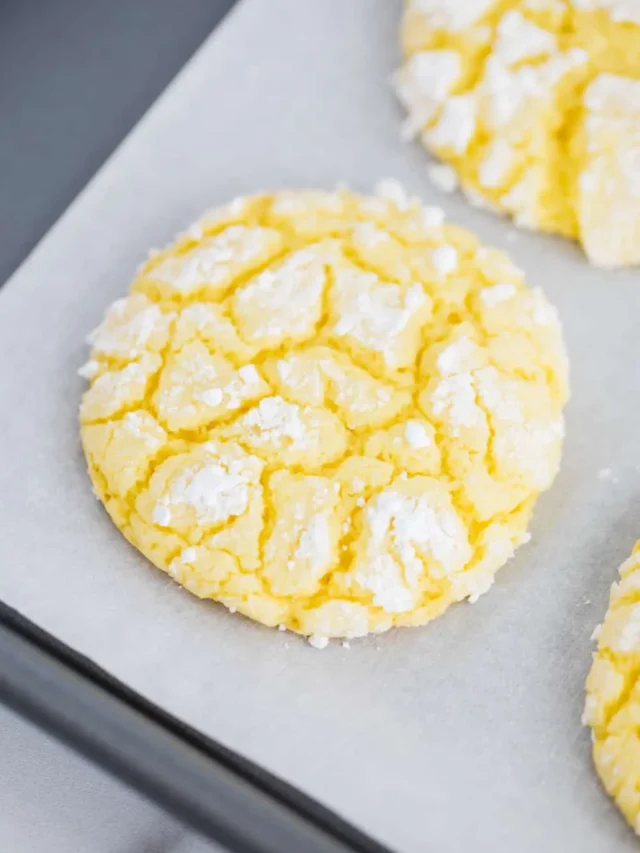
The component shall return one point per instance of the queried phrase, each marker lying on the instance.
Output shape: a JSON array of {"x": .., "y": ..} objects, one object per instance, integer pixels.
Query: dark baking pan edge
[{"x": 207, "y": 786}]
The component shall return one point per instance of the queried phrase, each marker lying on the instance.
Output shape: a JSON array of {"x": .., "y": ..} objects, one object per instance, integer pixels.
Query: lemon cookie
[
  {"x": 533, "y": 106},
  {"x": 613, "y": 693},
  {"x": 327, "y": 411}
]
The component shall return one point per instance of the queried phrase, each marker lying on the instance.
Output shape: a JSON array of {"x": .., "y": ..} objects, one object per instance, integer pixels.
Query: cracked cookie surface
[
  {"x": 327, "y": 411},
  {"x": 612, "y": 707},
  {"x": 534, "y": 107}
]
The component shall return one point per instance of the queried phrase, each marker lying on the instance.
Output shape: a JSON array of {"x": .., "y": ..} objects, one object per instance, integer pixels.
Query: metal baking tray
[
  {"x": 214, "y": 790},
  {"x": 463, "y": 734}
]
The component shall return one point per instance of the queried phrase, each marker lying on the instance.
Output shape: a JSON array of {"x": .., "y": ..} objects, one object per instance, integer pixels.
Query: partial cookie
[
  {"x": 327, "y": 411},
  {"x": 534, "y": 107},
  {"x": 613, "y": 693}
]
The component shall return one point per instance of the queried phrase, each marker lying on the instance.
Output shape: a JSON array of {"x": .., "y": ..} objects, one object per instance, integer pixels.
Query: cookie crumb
[{"x": 443, "y": 176}]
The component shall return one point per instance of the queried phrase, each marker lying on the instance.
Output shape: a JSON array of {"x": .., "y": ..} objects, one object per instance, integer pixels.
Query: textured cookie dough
[
  {"x": 327, "y": 411},
  {"x": 534, "y": 107},
  {"x": 613, "y": 693}
]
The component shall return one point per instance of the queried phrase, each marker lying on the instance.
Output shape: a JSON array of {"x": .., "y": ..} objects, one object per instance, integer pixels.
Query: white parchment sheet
[{"x": 462, "y": 735}]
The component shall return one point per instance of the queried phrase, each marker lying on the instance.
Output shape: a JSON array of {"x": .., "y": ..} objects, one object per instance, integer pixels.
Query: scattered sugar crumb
[
  {"x": 392, "y": 190},
  {"x": 443, "y": 176},
  {"x": 90, "y": 369},
  {"x": 432, "y": 217}
]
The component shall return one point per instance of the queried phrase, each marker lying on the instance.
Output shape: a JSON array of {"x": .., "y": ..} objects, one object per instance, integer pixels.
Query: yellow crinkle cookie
[
  {"x": 327, "y": 411},
  {"x": 534, "y": 107},
  {"x": 613, "y": 693}
]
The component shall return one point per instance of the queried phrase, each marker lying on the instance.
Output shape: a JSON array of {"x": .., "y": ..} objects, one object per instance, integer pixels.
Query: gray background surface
[
  {"x": 53, "y": 802},
  {"x": 461, "y": 735},
  {"x": 74, "y": 78}
]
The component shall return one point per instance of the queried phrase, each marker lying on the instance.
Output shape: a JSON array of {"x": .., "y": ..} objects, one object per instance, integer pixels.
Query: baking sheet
[{"x": 463, "y": 734}]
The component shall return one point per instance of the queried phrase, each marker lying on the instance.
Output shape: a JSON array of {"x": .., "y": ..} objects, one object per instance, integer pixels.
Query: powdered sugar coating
[
  {"x": 535, "y": 107},
  {"x": 338, "y": 430}
]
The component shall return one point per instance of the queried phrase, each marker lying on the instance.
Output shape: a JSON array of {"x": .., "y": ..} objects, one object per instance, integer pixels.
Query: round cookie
[
  {"x": 327, "y": 411},
  {"x": 612, "y": 708},
  {"x": 534, "y": 108}
]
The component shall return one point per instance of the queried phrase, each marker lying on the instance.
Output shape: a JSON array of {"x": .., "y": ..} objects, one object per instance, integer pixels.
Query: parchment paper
[{"x": 464, "y": 734}]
